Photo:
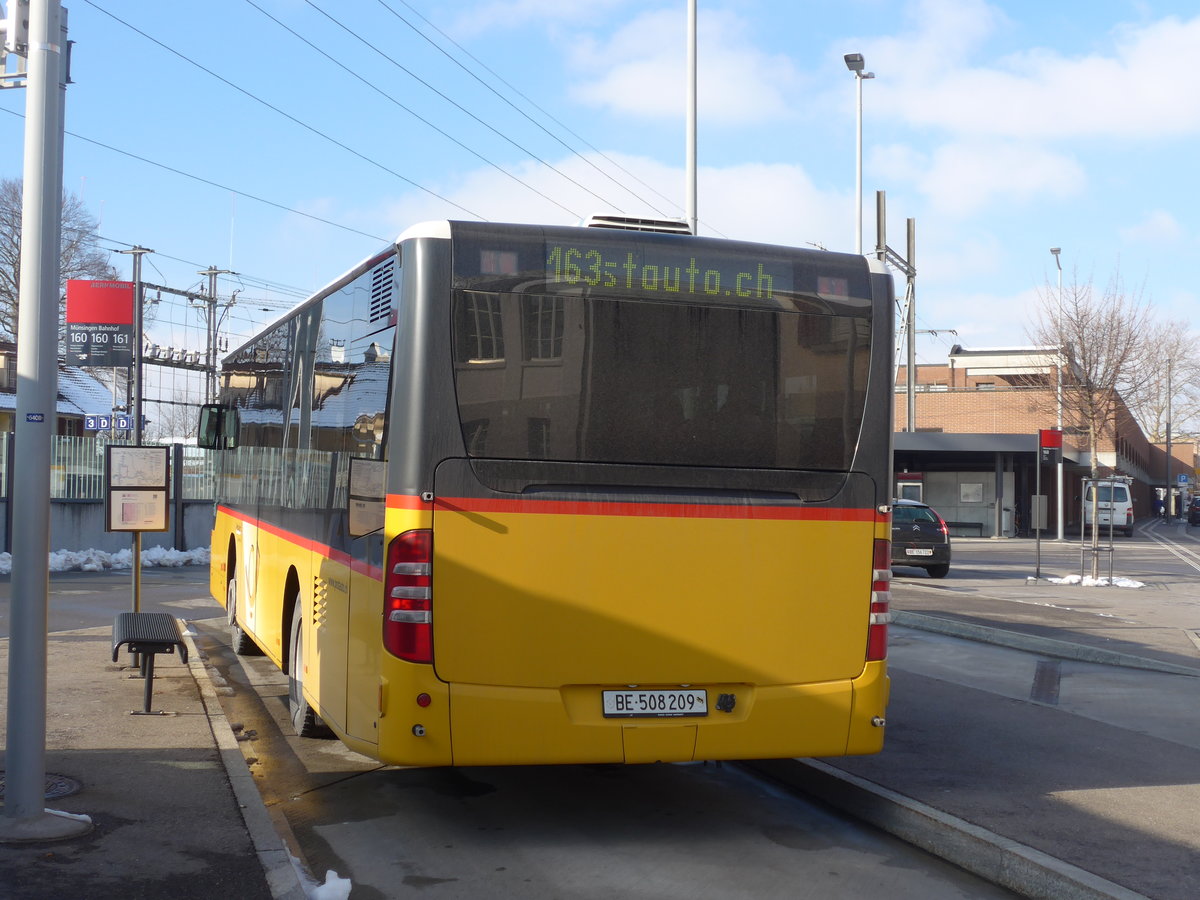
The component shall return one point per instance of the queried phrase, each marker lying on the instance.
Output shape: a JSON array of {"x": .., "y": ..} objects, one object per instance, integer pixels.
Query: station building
[{"x": 973, "y": 454}]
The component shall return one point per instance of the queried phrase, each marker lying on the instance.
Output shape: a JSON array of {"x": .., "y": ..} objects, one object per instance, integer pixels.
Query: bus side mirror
[{"x": 218, "y": 427}]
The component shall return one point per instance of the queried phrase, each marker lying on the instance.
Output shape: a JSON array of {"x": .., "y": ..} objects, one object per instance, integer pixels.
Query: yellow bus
[{"x": 515, "y": 494}]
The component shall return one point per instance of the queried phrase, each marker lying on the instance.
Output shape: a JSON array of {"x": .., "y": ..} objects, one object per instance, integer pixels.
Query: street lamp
[
  {"x": 1058, "y": 363},
  {"x": 854, "y": 62}
]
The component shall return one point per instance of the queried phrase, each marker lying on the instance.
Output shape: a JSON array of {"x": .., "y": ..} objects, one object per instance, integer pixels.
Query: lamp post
[
  {"x": 1059, "y": 386},
  {"x": 854, "y": 62}
]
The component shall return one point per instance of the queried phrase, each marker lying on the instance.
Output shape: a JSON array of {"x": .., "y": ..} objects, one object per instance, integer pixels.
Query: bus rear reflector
[
  {"x": 408, "y": 597},
  {"x": 881, "y": 598}
]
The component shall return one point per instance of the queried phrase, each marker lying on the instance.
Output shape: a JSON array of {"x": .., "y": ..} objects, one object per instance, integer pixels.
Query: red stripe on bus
[
  {"x": 654, "y": 510},
  {"x": 406, "y": 501},
  {"x": 337, "y": 556}
]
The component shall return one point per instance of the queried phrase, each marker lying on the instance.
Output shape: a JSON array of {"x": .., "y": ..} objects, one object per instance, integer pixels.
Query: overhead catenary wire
[
  {"x": 417, "y": 115},
  {"x": 458, "y": 105},
  {"x": 532, "y": 103},
  {"x": 215, "y": 184},
  {"x": 286, "y": 115}
]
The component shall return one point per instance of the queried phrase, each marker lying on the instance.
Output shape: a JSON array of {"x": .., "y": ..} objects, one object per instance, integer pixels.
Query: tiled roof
[{"x": 79, "y": 394}]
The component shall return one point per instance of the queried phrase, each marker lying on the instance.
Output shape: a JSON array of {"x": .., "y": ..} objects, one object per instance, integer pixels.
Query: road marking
[{"x": 1186, "y": 554}]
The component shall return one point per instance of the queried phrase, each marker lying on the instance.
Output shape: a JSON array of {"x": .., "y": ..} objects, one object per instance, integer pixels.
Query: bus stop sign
[{"x": 1049, "y": 445}]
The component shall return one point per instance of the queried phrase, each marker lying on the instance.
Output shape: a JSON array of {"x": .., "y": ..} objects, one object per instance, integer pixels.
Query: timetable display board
[{"x": 135, "y": 488}]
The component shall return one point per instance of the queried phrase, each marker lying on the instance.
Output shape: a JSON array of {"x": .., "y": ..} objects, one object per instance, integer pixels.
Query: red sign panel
[
  {"x": 1050, "y": 438},
  {"x": 100, "y": 323},
  {"x": 100, "y": 302}
]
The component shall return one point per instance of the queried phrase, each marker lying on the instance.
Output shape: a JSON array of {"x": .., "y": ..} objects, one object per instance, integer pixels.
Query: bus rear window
[{"x": 598, "y": 380}]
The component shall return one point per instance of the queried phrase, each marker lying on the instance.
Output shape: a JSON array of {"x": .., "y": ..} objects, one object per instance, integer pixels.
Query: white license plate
[
  {"x": 918, "y": 551},
  {"x": 652, "y": 704}
]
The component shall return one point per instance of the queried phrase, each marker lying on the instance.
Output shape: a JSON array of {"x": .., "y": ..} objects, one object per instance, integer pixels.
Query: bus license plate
[
  {"x": 645, "y": 704},
  {"x": 918, "y": 551}
]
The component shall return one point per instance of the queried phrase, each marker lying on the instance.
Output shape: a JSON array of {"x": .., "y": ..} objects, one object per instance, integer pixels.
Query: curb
[
  {"x": 1004, "y": 862},
  {"x": 278, "y": 860},
  {"x": 1034, "y": 644}
]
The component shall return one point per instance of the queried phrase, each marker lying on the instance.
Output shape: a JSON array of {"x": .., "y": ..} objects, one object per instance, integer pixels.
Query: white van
[{"x": 1112, "y": 501}]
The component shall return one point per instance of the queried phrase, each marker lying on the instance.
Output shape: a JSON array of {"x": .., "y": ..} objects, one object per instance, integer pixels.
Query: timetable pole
[{"x": 137, "y": 253}]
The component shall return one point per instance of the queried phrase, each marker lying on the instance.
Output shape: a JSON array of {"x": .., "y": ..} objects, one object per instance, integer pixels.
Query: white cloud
[
  {"x": 742, "y": 202},
  {"x": 1141, "y": 87},
  {"x": 993, "y": 320},
  {"x": 640, "y": 70},
  {"x": 962, "y": 178},
  {"x": 1158, "y": 227}
]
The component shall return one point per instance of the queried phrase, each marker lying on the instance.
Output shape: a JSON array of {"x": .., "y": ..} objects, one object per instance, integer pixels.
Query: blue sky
[{"x": 1003, "y": 129}]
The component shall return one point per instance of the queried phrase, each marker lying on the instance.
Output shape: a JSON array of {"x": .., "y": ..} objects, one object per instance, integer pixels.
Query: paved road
[
  {"x": 88, "y": 599},
  {"x": 662, "y": 831}
]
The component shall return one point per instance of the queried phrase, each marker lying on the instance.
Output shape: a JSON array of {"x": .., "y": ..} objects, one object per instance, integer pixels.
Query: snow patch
[{"x": 99, "y": 560}]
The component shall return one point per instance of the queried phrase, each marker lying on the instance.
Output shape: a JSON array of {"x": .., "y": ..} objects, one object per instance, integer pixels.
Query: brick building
[{"x": 974, "y": 452}]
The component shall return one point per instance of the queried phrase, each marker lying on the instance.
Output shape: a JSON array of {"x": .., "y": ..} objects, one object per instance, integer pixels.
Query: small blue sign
[
  {"x": 35, "y": 417},
  {"x": 1182, "y": 479}
]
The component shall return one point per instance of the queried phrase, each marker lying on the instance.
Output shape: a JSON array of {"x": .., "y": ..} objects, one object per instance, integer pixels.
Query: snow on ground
[
  {"x": 99, "y": 560},
  {"x": 1088, "y": 581}
]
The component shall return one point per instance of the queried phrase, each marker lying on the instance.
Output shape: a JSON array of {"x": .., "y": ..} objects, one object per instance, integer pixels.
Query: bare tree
[
  {"x": 80, "y": 258},
  {"x": 174, "y": 420},
  {"x": 1105, "y": 355},
  {"x": 1174, "y": 393}
]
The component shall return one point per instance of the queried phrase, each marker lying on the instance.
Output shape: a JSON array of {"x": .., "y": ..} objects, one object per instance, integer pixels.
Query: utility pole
[
  {"x": 25, "y": 817},
  {"x": 908, "y": 267},
  {"x": 211, "y": 322}
]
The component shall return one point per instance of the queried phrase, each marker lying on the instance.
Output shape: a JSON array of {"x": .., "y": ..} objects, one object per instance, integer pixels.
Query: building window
[{"x": 543, "y": 323}]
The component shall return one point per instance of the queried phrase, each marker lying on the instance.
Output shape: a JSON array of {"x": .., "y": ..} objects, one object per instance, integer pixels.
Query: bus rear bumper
[{"x": 492, "y": 725}]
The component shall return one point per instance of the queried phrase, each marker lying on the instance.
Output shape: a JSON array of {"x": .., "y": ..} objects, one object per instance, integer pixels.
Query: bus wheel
[
  {"x": 242, "y": 643},
  {"x": 304, "y": 719}
]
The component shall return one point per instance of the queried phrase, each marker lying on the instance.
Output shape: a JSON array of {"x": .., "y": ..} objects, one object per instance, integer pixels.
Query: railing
[{"x": 77, "y": 468}]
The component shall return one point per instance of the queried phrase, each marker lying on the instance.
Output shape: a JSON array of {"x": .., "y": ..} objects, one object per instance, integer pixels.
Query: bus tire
[
  {"x": 242, "y": 643},
  {"x": 939, "y": 571},
  {"x": 305, "y": 720}
]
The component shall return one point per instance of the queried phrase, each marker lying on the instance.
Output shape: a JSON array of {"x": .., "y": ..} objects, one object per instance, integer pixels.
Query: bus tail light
[
  {"x": 408, "y": 597},
  {"x": 881, "y": 597}
]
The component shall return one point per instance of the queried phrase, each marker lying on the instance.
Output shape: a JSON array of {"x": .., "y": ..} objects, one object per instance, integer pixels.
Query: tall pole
[
  {"x": 1058, "y": 383},
  {"x": 855, "y": 63},
  {"x": 858, "y": 165},
  {"x": 693, "y": 221},
  {"x": 24, "y": 815},
  {"x": 1169, "y": 499},
  {"x": 912, "y": 325},
  {"x": 136, "y": 405}
]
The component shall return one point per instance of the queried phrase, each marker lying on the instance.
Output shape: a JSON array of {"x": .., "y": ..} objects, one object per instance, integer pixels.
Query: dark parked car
[
  {"x": 1194, "y": 512},
  {"x": 920, "y": 538}
]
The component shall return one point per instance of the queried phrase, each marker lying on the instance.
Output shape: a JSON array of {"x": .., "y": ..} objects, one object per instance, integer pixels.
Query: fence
[
  {"x": 77, "y": 468},
  {"x": 78, "y": 511}
]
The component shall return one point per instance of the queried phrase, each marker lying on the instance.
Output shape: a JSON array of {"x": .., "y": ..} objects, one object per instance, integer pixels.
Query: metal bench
[
  {"x": 147, "y": 634},
  {"x": 978, "y": 526}
]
